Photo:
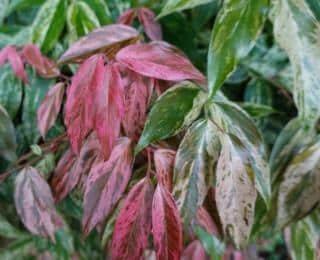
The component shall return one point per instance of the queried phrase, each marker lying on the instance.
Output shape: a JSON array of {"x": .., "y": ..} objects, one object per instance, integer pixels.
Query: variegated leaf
[
  {"x": 150, "y": 25},
  {"x": 7, "y": 136},
  {"x": 193, "y": 251}
]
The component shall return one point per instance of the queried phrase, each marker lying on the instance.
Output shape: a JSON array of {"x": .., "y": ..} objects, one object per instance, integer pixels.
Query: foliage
[{"x": 159, "y": 129}]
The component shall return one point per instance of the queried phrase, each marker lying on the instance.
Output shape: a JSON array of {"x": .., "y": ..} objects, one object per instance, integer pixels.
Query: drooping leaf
[
  {"x": 177, "y": 108},
  {"x": 7, "y": 136},
  {"x": 235, "y": 191},
  {"x": 150, "y": 25},
  {"x": 235, "y": 31},
  {"x": 179, "y": 5},
  {"x": 49, "y": 108},
  {"x": 194, "y": 167},
  {"x": 108, "y": 40},
  {"x": 299, "y": 192},
  {"x": 193, "y": 251},
  {"x": 296, "y": 30},
  {"x": 106, "y": 183},
  {"x": 159, "y": 60},
  {"x": 35, "y": 205},
  {"x": 166, "y": 225},
  {"x": 164, "y": 163},
  {"x": 48, "y": 24},
  {"x": 133, "y": 225}
]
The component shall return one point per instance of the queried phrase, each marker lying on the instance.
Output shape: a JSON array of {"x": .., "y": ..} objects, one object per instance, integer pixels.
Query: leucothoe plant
[{"x": 160, "y": 159}]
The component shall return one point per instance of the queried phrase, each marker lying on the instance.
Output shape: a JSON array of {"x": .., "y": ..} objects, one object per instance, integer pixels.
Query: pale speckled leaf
[
  {"x": 174, "y": 110},
  {"x": 235, "y": 191},
  {"x": 7, "y": 136},
  {"x": 194, "y": 168},
  {"x": 299, "y": 192},
  {"x": 297, "y": 31},
  {"x": 235, "y": 31}
]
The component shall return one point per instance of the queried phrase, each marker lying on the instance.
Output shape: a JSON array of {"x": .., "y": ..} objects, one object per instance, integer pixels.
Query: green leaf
[
  {"x": 48, "y": 24},
  {"x": 179, "y": 5},
  {"x": 174, "y": 110},
  {"x": 213, "y": 246},
  {"x": 194, "y": 168},
  {"x": 4, "y": 6},
  {"x": 296, "y": 31},
  {"x": 235, "y": 31},
  {"x": 299, "y": 192},
  {"x": 101, "y": 10},
  {"x": 258, "y": 92},
  {"x": 17, "y": 249},
  {"x": 7, "y": 230},
  {"x": 7, "y": 136},
  {"x": 257, "y": 110},
  {"x": 10, "y": 91},
  {"x": 23, "y": 4}
]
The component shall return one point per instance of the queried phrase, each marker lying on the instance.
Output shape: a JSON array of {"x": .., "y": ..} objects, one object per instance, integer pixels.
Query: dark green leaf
[
  {"x": 101, "y": 10},
  {"x": 257, "y": 110}
]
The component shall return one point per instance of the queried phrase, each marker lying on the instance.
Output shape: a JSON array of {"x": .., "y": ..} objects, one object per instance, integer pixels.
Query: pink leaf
[
  {"x": 108, "y": 103},
  {"x": 166, "y": 224},
  {"x": 10, "y": 53},
  {"x": 79, "y": 110},
  {"x": 133, "y": 225},
  {"x": 164, "y": 162},
  {"x": 45, "y": 67},
  {"x": 106, "y": 183},
  {"x": 194, "y": 251},
  {"x": 49, "y": 108},
  {"x": 127, "y": 17},
  {"x": 108, "y": 40},
  {"x": 159, "y": 60},
  {"x": 35, "y": 204},
  {"x": 206, "y": 222},
  {"x": 151, "y": 27},
  {"x": 138, "y": 92}
]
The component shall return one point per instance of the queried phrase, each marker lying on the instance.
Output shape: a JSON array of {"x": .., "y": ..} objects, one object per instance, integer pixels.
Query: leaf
[
  {"x": 106, "y": 183},
  {"x": 193, "y": 251},
  {"x": 17, "y": 249},
  {"x": 127, "y": 17},
  {"x": 49, "y": 24},
  {"x": 101, "y": 10},
  {"x": 23, "y": 4},
  {"x": 164, "y": 163},
  {"x": 299, "y": 192},
  {"x": 241, "y": 21},
  {"x": 7, "y": 136},
  {"x": 296, "y": 29},
  {"x": 108, "y": 40},
  {"x": 35, "y": 205},
  {"x": 159, "y": 60},
  {"x": 166, "y": 225},
  {"x": 49, "y": 108},
  {"x": 174, "y": 110},
  {"x": 150, "y": 25},
  {"x": 194, "y": 167},
  {"x": 133, "y": 225},
  {"x": 7, "y": 230},
  {"x": 138, "y": 93},
  {"x": 257, "y": 110},
  {"x": 235, "y": 191},
  {"x": 179, "y": 5}
]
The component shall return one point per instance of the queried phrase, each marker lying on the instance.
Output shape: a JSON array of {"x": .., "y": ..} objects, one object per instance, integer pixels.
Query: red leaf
[
  {"x": 166, "y": 224},
  {"x": 49, "y": 108},
  {"x": 106, "y": 183},
  {"x": 108, "y": 103},
  {"x": 44, "y": 66},
  {"x": 10, "y": 53},
  {"x": 79, "y": 109},
  {"x": 127, "y": 17},
  {"x": 34, "y": 203},
  {"x": 205, "y": 220},
  {"x": 194, "y": 251},
  {"x": 159, "y": 60},
  {"x": 133, "y": 225},
  {"x": 70, "y": 169},
  {"x": 138, "y": 92},
  {"x": 108, "y": 40},
  {"x": 151, "y": 27},
  {"x": 164, "y": 162}
]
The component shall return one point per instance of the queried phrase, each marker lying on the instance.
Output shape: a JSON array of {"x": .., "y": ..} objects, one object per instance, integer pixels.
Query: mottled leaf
[
  {"x": 108, "y": 39},
  {"x": 106, "y": 183},
  {"x": 150, "y": 25},
  {"x": 177, "y": 108},
  {"x": 237, "y": 26},
  {"x": 159, "y": 60},
  {"x": 35, "y": 204},
  {"x": 133, "y": 225},
  {"x": 49, "y": 108},
  {"x": 166, "y": 225},
  {"x": 7, "y": 136}
]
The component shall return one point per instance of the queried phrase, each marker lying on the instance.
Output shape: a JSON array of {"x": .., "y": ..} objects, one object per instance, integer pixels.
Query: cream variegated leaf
[
  {"x": 235, "y": 190},
  {"x": 194, "y": 167},
  {"x": 297, "y": 30}
]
